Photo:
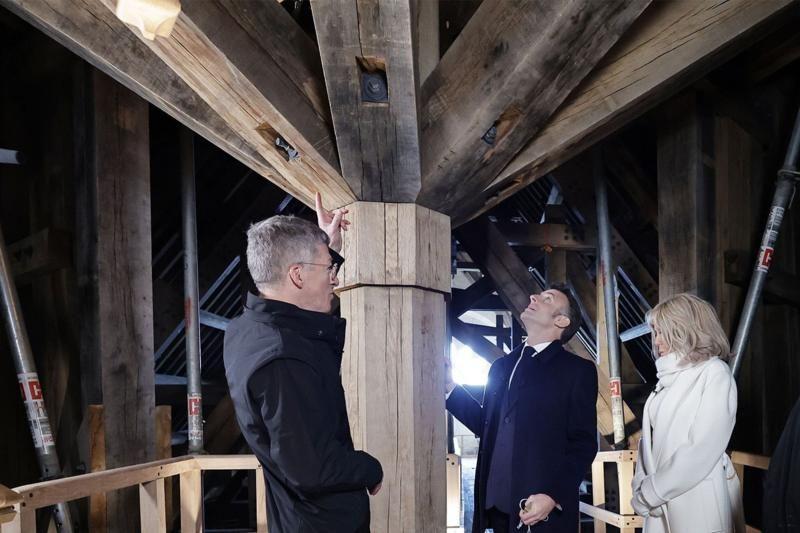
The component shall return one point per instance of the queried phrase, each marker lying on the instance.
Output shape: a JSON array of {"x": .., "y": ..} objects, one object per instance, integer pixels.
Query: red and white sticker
[
  {"x": 31, "y": 390},
  {"x": 615, "y": 386},
  {"x": 767, "y": 249},
  {"x": 195, "y": 410}
]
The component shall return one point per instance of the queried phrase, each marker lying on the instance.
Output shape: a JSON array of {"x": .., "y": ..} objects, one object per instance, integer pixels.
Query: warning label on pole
[
  {"x": 195, "y": 411},
  {"x": 31, "y": 390},
  {"x": 768, "y": 240}
]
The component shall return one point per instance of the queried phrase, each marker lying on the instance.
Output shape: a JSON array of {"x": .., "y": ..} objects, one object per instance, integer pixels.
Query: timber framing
[
  {"x": 193, "y": 80},
  {"x": 367, "y": 52},
  {"x": 662, "y": 53},
  {"x": 495, "y": 89}
]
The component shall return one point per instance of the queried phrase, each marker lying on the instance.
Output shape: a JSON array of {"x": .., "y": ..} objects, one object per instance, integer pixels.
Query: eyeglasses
[{"x": 332, "y": 268}]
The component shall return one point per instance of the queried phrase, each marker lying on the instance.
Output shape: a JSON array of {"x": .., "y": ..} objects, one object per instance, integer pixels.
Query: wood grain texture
[
  {"x": 91, "y": 30},
  {"x": 575, "y": 180},
  {"x": 670, "y": 46},
  {"x": 378, "y": 143},
  {"x": 396, "y": 244},
  {"x": 685, "y": 198},
  {"x": 393, "y": 375},
  {"x": 512, "y": 66},
  {"x": 120, "y": 180}
]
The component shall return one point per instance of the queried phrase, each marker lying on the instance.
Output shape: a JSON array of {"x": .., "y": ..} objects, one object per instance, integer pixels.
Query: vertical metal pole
[
  {"x": 190, "y": 292},
  {"x": 43, "y": 441},
  {"x": 605, "y": 275},
  {"x": 788, "y": 177}
]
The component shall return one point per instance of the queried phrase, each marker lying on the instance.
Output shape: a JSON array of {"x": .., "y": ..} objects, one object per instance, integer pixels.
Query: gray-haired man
[{"x": 282, "y": 361}]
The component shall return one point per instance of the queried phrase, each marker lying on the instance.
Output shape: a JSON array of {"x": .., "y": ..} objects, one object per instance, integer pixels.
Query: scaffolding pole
[
  {"x": 607, "y": 280},
  {"x": 194, "y": 395},
  {"x": 788, "y": 177},
  {"x": 32, "y": 395}
]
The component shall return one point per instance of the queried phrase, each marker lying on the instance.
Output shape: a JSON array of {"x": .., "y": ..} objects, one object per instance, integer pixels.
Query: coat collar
[{"x": 307, "y": 324}]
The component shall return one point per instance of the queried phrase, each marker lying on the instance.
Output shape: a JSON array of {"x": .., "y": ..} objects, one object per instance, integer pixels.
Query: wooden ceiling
[{"x": 525, "y": 87}]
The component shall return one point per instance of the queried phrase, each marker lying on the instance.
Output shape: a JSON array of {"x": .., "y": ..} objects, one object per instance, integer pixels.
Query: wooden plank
[
  {"x": 496, "y": 76},
  {"x": 396, "y": 244},
  {"x": 8, "y": 497},
  {"x": 97, "y": 463},
  {"x": 463, "y": 299},
  {"x": 685, "y": 198},
  {"x": 467, "y": 334},
  {"x": 393, "y": 377},
  {"x": 261, "y": 501},
  {"x": 227, "y": 462},
  {"x": 556, "y": 236},
  {"x": 38, "y": 495},
  {"x": 556, "y": 267},
  {"x": 453, "y": 472},
  {"x": 116, "y": 283},
  {"x": 670, "y": 46},
  {"x": 91, "y": 30},
  {"x": 613, "y": 519},
  {"x": 152, "y": 506},
  {"x": 625, "y": 479},
  {"x": 750, "y": 459},
  {"x": 598, "y": 493},
  {"x": 164, "y": 451},
  {"x": 574, "y": 179},
  {"x": 378, "y": 142},
  {"x": 222, "y": 429},
  {"x": 44, "y": 251},
  {"x": 191, "y": 487}
]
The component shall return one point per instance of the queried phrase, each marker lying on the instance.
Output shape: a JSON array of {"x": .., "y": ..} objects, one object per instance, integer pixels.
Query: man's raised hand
[{"x": 332, "y": 223}]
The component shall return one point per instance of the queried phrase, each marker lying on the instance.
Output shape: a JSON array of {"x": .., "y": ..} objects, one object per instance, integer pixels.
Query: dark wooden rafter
[
  {"x": 464, "y": 299},
  {"x": 672, "y": 45},
  {"x": 472, "y": 336},
  {"x": 575, "y": 182},
  {"x": 368, "y": 45},
  {"x": 512, "y": 66},
  {"x": 549, "y": 236},
  {"x": 239, "y": 91}
]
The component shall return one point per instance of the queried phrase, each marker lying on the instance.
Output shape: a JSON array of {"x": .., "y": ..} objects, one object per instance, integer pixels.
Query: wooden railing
[
  {"x": 18, "y": 506},
  {"x": 626, "y": 519}
]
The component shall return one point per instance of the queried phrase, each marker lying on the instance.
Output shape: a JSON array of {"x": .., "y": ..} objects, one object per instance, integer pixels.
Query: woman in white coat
[{"x": 684, "y": 481}]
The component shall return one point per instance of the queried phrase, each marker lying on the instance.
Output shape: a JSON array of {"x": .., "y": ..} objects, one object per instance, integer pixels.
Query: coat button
[{"x": 507, "y": 419}]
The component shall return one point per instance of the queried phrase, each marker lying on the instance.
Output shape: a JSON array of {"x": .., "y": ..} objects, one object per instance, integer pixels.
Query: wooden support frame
[
  {"x": 658, "y": 56},
  {"x": 495, "y": 88},
  {"x": 549, "y": 236},
  {"x": 201, "y": 97},
  {"x": 626, "y": 520},
  {"x": 18, "y": 506},
  {"x": 371, "y": 44}
]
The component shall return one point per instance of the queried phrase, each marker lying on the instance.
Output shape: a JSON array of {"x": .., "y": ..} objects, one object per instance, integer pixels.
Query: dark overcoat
[{"x": 552, "y": 405}]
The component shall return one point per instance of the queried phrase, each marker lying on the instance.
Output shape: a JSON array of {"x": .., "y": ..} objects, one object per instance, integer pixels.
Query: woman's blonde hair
[{"x": 690, "y": 327}]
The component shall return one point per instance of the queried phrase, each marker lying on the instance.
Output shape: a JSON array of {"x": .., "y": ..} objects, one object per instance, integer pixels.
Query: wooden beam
[
  {"x": 44, "y": 251},
  {"x": 496, "y": 86},
  {"x": 557, "y": 236},
  {"x": 685, "y": 198},
  {"x": 469, "y": 335},
  {"x": 211, "y": 93},
  {"x": 396, "y": 337},
  {"x": 368, "y": 45},
  {"x": 672, "y": 45},
  {"x": 463, "y": 299},
  {"x": 115, "y": 279},
  {"x": 780, "y": 287},
  {"x": 575, "y": 181}
]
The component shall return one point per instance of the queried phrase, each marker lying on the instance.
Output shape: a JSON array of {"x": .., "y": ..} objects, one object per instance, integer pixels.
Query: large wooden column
[
  {"x": 685, "y": 198},
  {"x": 115, "y": 282},
  {"x": 393, "y": 282}
]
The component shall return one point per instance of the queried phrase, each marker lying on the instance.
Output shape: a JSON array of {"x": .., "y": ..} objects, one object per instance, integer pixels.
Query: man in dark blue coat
[
  {"x": 536, "y": 423},
  {"x": 282, "y": 360}
]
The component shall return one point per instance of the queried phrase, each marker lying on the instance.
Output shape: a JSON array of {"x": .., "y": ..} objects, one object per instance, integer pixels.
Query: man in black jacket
[
  {"x": 536, "y": 423},
  {"x": 282, "y": 361}
]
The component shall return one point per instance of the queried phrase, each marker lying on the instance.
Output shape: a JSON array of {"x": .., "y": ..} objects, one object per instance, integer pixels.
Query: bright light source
[
  {"x": 152, "y": 17},
  {"x": 468, "y": 367}
]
